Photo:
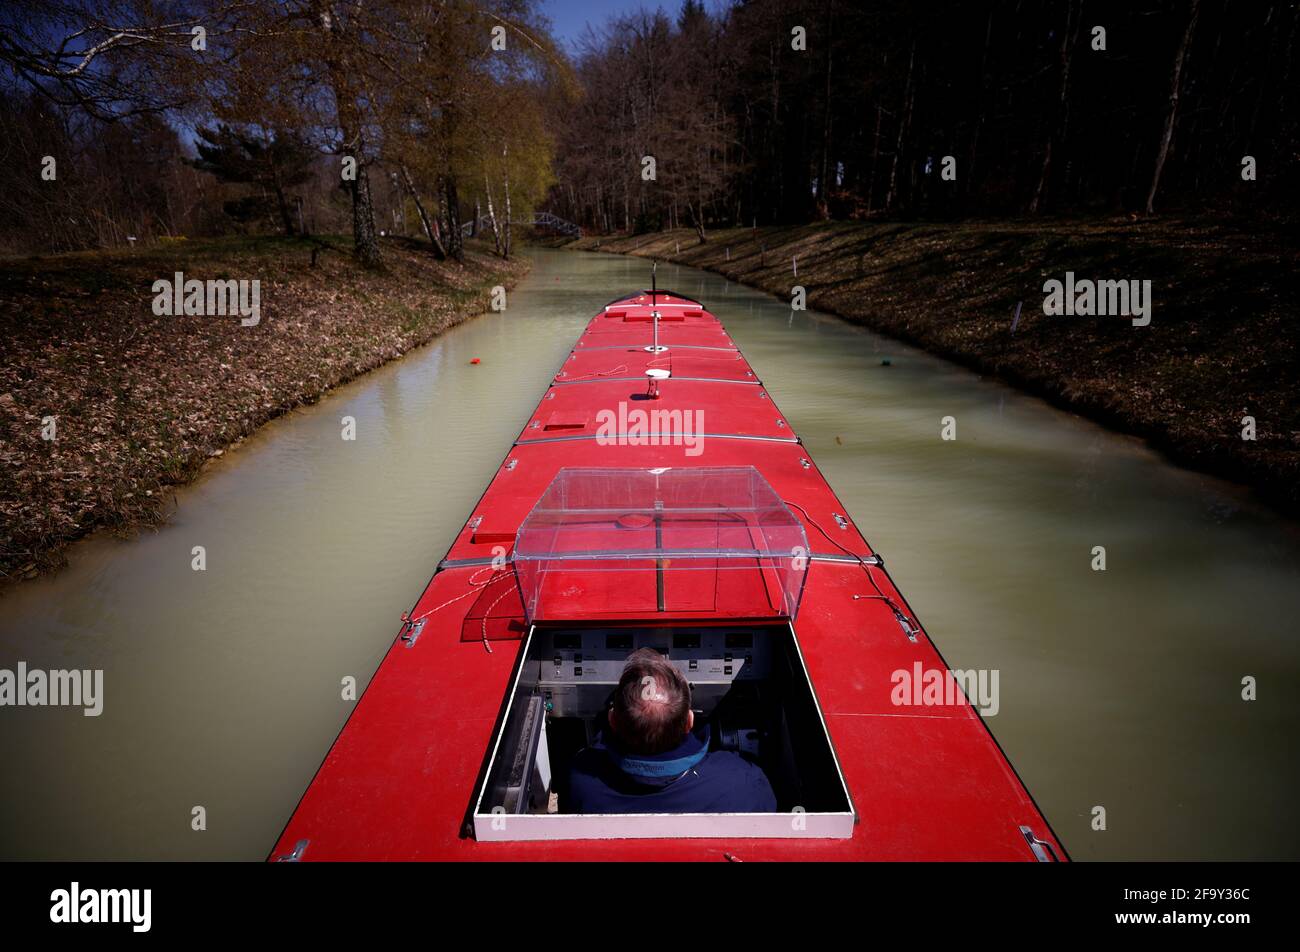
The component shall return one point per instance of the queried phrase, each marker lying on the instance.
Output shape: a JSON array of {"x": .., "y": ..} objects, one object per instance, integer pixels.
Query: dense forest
[
  {"x": 785, "y": 111},
  {"x": 134, "y": 120}
]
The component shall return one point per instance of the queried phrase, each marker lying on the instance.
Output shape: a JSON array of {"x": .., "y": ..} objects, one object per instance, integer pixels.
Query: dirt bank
[
  {"x": 138, "y": 402},
  {"x": 1221, "y": 343}
]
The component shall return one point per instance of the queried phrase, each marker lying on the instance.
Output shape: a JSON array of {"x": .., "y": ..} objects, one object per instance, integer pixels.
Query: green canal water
[{"x": 1119, "y": 689}]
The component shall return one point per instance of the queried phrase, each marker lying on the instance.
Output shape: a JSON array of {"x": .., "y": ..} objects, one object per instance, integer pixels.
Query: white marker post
[
  {"x": 654, "y": 291},
  {"x": 656, "y": 347},
  {"x": 655, "y": 375}
]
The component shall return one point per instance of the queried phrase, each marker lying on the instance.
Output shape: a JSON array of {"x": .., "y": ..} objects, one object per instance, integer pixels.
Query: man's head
[{"x": 652, "y": 706}]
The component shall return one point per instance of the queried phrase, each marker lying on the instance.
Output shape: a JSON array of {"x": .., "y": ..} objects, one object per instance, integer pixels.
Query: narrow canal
[{"x": 1119, "y": 689}]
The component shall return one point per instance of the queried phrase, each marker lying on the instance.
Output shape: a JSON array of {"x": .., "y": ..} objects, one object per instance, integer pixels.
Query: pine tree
[{"x": 273, "y": 163}]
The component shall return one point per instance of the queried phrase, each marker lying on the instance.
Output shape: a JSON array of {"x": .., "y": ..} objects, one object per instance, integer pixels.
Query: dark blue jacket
[{"x": 687, "y": 779}]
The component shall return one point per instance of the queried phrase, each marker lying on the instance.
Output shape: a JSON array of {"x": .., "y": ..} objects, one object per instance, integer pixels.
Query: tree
[
  {"x": 273, "y": 162},
  {"x": 1171, "y": 114},
  {"x": 850, "y": 110},
  {"x": 467, "y": 114},
  {"x": 324, "y": 68},
  {"x": 1056, "y": 133}
]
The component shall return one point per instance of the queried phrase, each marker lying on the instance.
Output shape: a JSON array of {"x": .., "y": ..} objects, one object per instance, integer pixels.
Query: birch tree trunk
[
  {"x": 492, "y": 213},
  {"x": 505, "y": 154},
  {"x": 430, "y": 226},
  {"x": 455, "y": 238},
  {"x": 823, "y": 183},
  {"x": 365, "y": 243},
  {"x": 1057, "y": 133},
  {"x": 697, "y": 219},
  {"x": 904, "y": 121},
  {"x": 1171, "y": 116}
]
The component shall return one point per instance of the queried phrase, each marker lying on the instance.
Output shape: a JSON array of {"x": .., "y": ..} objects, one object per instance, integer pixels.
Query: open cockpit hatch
[{"x": 705, "y": 566}]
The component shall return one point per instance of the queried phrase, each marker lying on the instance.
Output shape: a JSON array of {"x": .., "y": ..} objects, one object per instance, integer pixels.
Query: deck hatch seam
[{"x": 616, "y": 437}]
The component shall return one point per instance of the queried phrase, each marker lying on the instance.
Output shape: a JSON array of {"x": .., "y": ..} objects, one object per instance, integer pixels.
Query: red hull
[{"x": 928, "y": 783}]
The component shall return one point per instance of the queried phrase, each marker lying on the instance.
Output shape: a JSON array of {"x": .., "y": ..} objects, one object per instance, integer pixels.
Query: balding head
[{"x": 652, "y": 706}]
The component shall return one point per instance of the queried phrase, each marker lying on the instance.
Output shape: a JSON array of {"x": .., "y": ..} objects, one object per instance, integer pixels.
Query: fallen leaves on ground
[{"x": 142, "y": 402}]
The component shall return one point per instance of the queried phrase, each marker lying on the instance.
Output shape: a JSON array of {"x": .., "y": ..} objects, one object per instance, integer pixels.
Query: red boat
[{"x": 658, "y": 498}]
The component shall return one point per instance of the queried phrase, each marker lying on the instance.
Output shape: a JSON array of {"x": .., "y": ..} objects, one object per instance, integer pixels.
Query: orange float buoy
[{"x": 474, "y": 360}]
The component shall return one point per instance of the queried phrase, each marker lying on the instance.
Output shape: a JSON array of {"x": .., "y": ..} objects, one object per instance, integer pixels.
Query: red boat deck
[{"x": 927, "y": 783}]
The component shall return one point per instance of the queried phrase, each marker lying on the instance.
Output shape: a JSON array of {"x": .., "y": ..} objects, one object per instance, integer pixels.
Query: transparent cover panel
[{"x": 679, "y": 543}]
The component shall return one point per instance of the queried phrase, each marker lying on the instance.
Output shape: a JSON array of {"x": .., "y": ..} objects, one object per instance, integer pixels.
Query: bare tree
[
  {"x": 1171, "y": 115},
  {"x": 111, "y": 58},
  {"x": 431, "y": 227},
  {"x": 1057, "y": 131},
  {"x": 904, "y": 123}
]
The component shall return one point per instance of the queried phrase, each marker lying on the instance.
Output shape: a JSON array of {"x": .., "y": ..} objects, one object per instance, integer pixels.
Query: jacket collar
[{"x": 666, "y": 767}]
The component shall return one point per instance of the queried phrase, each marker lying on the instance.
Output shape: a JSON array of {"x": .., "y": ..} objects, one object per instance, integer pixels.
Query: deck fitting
[
  {"x": 412, "y": 632},
  {"x": 301, "y": 847}
]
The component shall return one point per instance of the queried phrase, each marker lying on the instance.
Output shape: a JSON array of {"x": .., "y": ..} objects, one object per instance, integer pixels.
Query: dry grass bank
[
  {"x": 141, "y": 402},
  {"x": 1223, "y": 341}
]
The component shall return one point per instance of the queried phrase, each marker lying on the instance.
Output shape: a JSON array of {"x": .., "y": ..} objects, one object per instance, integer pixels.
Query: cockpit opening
[{"x": 749, "y": 691}]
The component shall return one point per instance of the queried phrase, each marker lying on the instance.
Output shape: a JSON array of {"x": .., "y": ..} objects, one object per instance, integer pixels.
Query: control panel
[{"x": 704, "y": 655}]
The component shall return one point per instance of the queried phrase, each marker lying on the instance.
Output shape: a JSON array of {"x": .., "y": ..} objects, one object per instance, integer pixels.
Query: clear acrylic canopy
[{"x": 660, "y": 544}]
